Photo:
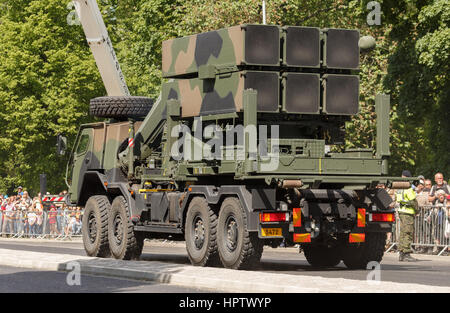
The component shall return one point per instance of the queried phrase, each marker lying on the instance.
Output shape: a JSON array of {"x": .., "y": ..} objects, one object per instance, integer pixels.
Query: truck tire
[
  {"x": 120, "y": 107},
  {"x": 200, "y": 233},
  {"x": 139, "y": 245},
  {"x": 321, "y": 256},
  {"x": 238, "y": 249},
  {"x": 123, "y": 243},
  {"x": 95, "y": 227},
  {"x": 357, "y": 256}
]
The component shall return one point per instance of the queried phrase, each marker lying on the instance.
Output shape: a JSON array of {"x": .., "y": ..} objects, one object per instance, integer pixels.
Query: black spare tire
[{"x": 120, "y": 107}]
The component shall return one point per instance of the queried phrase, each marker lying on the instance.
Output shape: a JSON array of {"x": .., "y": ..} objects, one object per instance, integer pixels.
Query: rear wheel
[
  {"x": 358, "y": 256},
  {"x": 200, "y": 233},
  {"x": 95, "y": 226},
  {"x": 238, "y": 249},
  {"x": 321, "y": 256},
  {"x": 123, "y": 242}
]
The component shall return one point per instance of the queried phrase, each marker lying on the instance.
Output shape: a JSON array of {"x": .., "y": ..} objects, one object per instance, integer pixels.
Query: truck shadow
[
  {"x": 291, "y": 266},
  {"x": 264, "y": 265},
  {"x": 165, "y": 257}
]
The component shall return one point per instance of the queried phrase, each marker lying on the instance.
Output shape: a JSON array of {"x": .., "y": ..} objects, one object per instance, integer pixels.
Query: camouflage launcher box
[
  {"x": 238, "y": 47},
  {"x": 224, "y": 49},
  {"x": 298, "y": 70},
  {"x": 301, "y": 93}
]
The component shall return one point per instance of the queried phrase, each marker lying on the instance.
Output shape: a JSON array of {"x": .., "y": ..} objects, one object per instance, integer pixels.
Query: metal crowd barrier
[
  {"x": 430, "y": 225},
  {"x": 63, "y": 225}
]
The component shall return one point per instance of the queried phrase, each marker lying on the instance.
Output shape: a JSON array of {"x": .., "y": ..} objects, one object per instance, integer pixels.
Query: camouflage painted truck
[{"x": 244, "y": 148}]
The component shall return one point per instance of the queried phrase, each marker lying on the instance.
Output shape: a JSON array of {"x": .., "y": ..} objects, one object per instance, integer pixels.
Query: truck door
[{"x": 81, "y": 160}]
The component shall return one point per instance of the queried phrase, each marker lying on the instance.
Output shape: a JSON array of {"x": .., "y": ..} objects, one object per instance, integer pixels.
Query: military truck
[{"x": 243, "y": 149}]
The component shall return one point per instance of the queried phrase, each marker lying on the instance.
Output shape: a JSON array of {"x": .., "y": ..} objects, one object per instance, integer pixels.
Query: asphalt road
[{"x": 430, "y": 270}]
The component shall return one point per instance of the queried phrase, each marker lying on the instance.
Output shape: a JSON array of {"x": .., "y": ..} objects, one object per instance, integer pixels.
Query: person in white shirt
[{"x": 32, "y": 218}]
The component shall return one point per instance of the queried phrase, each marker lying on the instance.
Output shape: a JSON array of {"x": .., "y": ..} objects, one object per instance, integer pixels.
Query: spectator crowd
[
  {"x": 22, "y": 215},
  {"x": 432, "y": 219}
]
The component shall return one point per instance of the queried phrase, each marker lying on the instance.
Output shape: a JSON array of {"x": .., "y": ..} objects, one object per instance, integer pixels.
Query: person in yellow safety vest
[{"x": 406, "y": 198}]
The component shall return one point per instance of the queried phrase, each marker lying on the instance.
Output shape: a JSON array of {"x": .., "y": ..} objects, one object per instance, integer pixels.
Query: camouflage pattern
[
  {"x": 406, "y": 232},
  {"x": 301, "y": 93},
  {"x": 77, "y": 165},
  {"x": 239, "y": 47},
  {"x": 225, "y": 49},
  {"x": 209, "y": 70},
  {"x": 224, "y": 94},
  {"x": 103, "y": 141},
  {"x": 116, "y": 134}
]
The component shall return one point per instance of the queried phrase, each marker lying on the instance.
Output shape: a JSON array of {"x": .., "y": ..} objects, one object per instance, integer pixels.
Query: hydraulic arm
[{"x": 101, "y": 46}]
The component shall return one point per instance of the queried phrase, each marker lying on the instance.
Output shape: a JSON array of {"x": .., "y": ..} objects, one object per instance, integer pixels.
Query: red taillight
[
  {"x": 383, "y": 217},
  {"x": 274, "y": 217}
]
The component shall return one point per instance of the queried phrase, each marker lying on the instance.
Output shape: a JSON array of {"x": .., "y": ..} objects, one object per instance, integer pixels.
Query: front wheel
[
  {"x": 95, "y": 226},
  {"x": 238, "y": 249}
]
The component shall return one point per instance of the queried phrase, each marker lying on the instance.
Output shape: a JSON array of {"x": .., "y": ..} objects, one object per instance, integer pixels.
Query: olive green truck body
[{"x": 243, "y": 148}]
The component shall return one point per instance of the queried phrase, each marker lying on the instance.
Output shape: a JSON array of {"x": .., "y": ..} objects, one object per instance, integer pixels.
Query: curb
[{"x": 207, "y": 278}]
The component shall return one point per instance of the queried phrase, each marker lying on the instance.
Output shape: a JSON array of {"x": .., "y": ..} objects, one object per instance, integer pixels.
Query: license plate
[{"x": 271, "y": 232}]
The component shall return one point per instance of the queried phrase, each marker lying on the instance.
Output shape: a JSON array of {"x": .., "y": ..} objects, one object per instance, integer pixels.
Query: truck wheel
[
  {"x": 200, "y": 233},
  {"x": 123, "y": 242},
  {"x": 320, "y": 256},
  {"x": 357, "y": 256},
  {"x": 95, "y": 227},
  {"x": 238, "y": 249},
  {"x": 120, "y": 107},
  {"x": 139, "y": 245}
]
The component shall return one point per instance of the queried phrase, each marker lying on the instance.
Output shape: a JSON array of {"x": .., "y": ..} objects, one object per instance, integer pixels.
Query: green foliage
[
  {"x": 418, "y": 82},
  {"x": 47, "y": 76}
]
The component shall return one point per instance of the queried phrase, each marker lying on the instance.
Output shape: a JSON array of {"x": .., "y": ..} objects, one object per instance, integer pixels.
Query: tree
[
  {"x": 47, "y": 76},
  {"x": 418, "y": 81}
]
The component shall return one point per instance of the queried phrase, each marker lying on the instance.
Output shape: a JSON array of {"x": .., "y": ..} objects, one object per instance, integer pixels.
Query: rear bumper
[{"x": 310, "y": 231}]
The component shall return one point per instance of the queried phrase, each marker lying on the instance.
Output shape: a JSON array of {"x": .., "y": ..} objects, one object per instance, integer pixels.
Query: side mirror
[{"x": 61, "y": 145}]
